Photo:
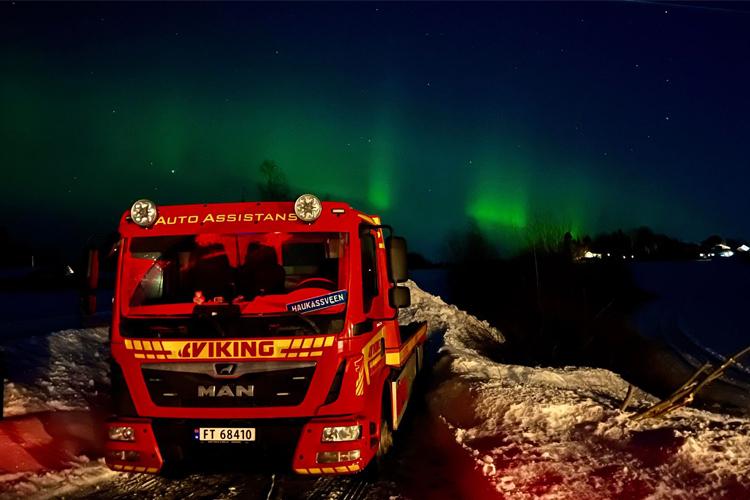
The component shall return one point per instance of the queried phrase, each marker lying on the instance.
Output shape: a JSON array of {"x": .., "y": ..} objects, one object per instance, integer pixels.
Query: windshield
[{"x": 260, "y": 273}]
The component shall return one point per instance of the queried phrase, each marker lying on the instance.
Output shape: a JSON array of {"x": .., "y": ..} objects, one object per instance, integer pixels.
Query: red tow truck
[{"x": 259, "y": 330}]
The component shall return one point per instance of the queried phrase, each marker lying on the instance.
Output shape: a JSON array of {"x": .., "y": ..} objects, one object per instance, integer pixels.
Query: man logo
[
  {"x": 225, "y": 369},
  {"x": 237, "y": 391}
]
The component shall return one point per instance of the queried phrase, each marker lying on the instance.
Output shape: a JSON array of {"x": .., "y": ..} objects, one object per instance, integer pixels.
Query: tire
[
  {"x": 386, "y": 439},
  {"x": 376, "y": 467}
]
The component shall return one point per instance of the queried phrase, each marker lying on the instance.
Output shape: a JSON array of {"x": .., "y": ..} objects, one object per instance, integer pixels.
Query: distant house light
[
  {"x": 592, "y": 255},
  {"x": 743, "y": 248}
]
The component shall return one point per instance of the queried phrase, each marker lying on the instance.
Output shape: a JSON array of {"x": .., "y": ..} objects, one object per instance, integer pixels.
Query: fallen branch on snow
[{"x": 687, "y": 391}]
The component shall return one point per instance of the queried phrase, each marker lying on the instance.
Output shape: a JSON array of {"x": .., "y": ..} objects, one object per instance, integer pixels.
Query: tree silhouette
[
  {"x": 470, "y": 245},
  {"x": 545, "y": 234},
  {"x": 712, "y": 241},
  {"x": 274, "y": 186}
]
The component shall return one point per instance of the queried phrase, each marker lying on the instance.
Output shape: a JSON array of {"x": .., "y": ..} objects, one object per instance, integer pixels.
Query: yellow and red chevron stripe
[
  {"x": 372, "y": 353},
  {"x": 359, "y": 388},
  {"x": 329, "y": 470},
  {"x": 147, "y": 349},
  {"x": 301, "y": 347},
  {"x": 308, "y": 347},
  {"x": 131, "y": 468}
]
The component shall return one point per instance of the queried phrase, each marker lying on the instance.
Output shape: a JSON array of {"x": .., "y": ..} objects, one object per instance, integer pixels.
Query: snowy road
[
  {"x": 483, "y": 430},
  {"x": 225, "y": 486}
]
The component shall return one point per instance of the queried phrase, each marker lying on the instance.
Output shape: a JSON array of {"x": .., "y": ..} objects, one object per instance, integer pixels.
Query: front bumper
[
  {"x": 279, "y": 444},
  {"x": 149, "y": 458},
  {"x": 310, "y": 444}
]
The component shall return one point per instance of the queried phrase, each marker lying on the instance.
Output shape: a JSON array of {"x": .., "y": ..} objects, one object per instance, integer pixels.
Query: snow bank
[
  {"x": 82, "y": 473},
  {"x": 463, "y": 332},
  {"x": 46, "y": 438},
  {"x": 66, "y": 370},
  {"x": 558, "y": 433}
]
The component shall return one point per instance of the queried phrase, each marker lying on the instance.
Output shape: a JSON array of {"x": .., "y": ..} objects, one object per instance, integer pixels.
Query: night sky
[{"x": 588, "y": 116}]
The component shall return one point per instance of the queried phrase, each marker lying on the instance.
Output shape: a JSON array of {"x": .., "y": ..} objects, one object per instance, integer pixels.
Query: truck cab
[{"x": 259, "y": 329}]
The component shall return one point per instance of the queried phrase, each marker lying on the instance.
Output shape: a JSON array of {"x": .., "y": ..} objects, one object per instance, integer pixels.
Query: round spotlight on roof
[
  {"x": 308, "y": 208},
  {"x": 143, "y": 212}
]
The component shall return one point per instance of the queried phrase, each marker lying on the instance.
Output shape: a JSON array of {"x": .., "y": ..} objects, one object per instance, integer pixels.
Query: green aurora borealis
[{"x": 118, "y": 102}]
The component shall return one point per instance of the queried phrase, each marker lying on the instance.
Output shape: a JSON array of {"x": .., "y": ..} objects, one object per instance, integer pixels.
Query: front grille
[
  {"x": 274, "y": 445},
  {"x": 247, "y": 384}
]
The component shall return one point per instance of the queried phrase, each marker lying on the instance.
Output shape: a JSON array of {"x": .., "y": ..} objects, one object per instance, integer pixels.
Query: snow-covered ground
[
  {"x": 531, "y": 432},
  {"x": 558, "y": 433},
  {"x": 67, "y": 370}
]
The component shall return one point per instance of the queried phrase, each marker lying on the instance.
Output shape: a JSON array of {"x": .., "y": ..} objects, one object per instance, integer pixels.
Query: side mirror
[
  {"x": 397, "y": 269},
  {"x": 399, "y": 296}
]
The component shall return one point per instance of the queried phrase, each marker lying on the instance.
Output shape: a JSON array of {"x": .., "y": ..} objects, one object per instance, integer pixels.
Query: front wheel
[
  {"x": 386, "y": 439},
  {"x": 376, "y": 467}
]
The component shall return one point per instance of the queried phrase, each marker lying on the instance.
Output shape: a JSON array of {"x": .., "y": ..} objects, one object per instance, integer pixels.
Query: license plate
[{"x": 225, "y": 434}]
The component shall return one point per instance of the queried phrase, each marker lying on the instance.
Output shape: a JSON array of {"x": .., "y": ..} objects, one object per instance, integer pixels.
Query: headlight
[
  {"x": 328, "y": 457},
  {"x": 308, "y": 208},
  {"x": 121, "y": 433},
  {"x": 343, "y": 433},
  {"x": 125, "y": 455},
  {"x": 143, "y": 212}
]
